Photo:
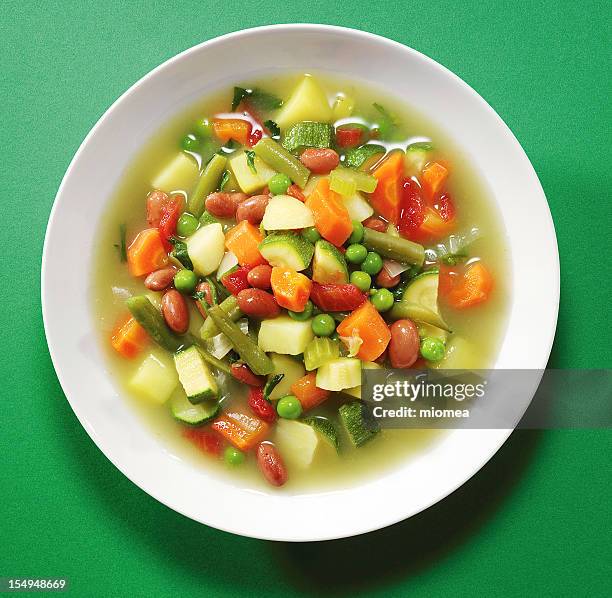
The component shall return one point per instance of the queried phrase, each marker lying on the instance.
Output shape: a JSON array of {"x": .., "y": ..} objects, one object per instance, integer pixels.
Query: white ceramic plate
[{"x": 98, "y": 166}]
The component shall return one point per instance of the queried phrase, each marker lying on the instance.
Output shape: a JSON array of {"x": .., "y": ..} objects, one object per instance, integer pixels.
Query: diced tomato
[
  {"x": 347, "y": 136},
  {"x": 294, "y": 191},
  {"x": 156, "y": 200},
  {"x": 336, "y": 297},
  {"x": 236, "y": 280},
  {"x": 260, "y": 406},
  {"x": 205, "y": 439},
  {"x": 255, "y": 136},
  {"x": 171, "y": 212},
  {"x": 411, "y": 208}
]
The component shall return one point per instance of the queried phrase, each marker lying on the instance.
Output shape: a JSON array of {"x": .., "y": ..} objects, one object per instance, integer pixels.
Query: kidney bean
[
  {"x": 271, "y": 464},
  {"x": 375, "y": 224},
  {"x": 320, "y": 161},
  {"x": 160, "y": 279},
  {"x": 175, "y": 312},
  {"x": 252, "y": 209},
  {"x": 242, "y": 372},
  {"x": 259, "y": 276},
  {"x": 404, "y": 344},
  {"x": 204, "y": 287},
  {"x": 156, "y": 200},
  {"x": 257, "y": 304},
  {"x": 384, "y": 280},
  {"x": 224, "y": 205}
]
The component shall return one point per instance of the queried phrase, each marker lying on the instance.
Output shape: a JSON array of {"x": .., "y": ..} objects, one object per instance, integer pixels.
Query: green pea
[
  {"x": 289, "y": 407},
  {"x": 383, "y": 300},
  {"x": 187, "y": 225},
  {"x": 203, "y": 128},
  {"x": 311, "y": 234},
  {"x": 185, "y": 281},
  {"x": 355, "y": 253},
  {"x": 279, "y": 184},
  {"x": 323, "y": 325},
  {"x": 190, "y": 143},
  {"x": 357, "y": 234},
  {"x": 300, "y": 316},
  {"x": 233, "y": 456},
  {"x": 362, "y": 280},
  {"x": 432, "y": 348},
  {"x": 372, "y": 264}
]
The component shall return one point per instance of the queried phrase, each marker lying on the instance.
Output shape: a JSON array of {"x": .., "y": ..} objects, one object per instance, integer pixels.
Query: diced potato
[
  {"x": 284, "y": 212},
  {"x": 357, "y": 206},
  {"x": 155, "y": 379},
  {"x": 181, "y": 174},
  {"x": 292, "y": 370},
  {"x": 284, "y": 335},
  {"x": 355, "y": 391},
  {"x": 307, "y": 102},
  {"x": 296, "y": 442},
  {"x": 206, "y": 248},
  {"x": 249, "y": 181}
]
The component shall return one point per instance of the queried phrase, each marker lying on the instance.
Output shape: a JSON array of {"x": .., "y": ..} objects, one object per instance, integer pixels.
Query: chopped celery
[
  {"x": 209, "y": 180},
  {"x": 307, "y": 134},
  {"x": 278, "y": 158},
  {"x": 365, "y": 156},
  {"x": 319, "y": 351},
  {"x": 339, "y": 373},
  {"x": 347, "y": 182}
]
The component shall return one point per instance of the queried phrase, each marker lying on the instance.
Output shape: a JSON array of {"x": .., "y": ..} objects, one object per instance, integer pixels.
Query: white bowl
[{"x": 89, "y": 183}]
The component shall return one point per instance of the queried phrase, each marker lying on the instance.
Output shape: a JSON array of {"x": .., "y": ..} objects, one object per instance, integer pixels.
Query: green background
[{"x": 535, "y": 520}]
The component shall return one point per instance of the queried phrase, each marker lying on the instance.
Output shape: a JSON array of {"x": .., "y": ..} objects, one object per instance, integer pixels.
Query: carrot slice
[
  {"x": 433, "y": 177},
  {"x": 465, "y": 287},
  {"x": 243, "y": 241},
  {"x": 386, "y": 197},
  {"x": 242, "y": 430},
  {"x": 331, "y": 217},
  {"x": 368, "y": 324},
  {"x": 146, "y": 253},
  {"x": 291, "y": 289},
  {"x": 232, "y": 128},
  {"x": 305, "y": 389},
  {"x": 128, "y": 337}
]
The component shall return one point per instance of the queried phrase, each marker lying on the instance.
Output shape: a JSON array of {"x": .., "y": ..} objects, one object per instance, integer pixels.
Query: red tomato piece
[
  {"x": 205, "y": 439},
  {"x": 336, "y": 297},
  {"x": 411, "y": 209},
  {"x": 260, "y": 406},
  {"x": 236, "y": 281}
]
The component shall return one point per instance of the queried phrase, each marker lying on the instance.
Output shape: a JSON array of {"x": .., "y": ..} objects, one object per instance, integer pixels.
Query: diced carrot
[
  {"x": 386, "y": 197},
  {"x": 433, "y": 177},
  {"x": 434, "y": 226},
  {"x": 243, "y": 241},
  {"x": 232, "y": 128},
  {"x": 242, "y": 430},
  {"x": 128, "y": 337},
  {"x": 291, "y": 289},
  {"x": 305, "y": 389},
  {"x": 146, "y": 253},
  {"x": 368, "y": 324},
  {"x": 465, "y": 286},
  {"x": 331, "y": 217}
]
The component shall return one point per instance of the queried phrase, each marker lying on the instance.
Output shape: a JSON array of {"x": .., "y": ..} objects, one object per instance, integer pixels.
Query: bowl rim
[{"x": 498, "y": 437}]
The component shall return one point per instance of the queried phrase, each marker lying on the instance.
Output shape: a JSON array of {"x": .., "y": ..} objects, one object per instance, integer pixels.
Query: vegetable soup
[{"x": 270, "y": 243}]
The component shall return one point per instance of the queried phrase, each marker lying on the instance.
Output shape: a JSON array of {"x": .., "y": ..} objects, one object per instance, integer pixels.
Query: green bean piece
[
  {"x": 278, "y": 158},
  {"x": 150, "y": 318},
  {"x": 413, "y": 311},
  {"x": 230, "y": 307},
  {"x": 394, "y": 248},
  {"x": 209, "y": 181},
  {"x": 248, "y": 350}
]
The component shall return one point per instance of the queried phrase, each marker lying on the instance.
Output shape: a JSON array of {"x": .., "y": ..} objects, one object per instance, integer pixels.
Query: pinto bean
[
  {"x": 320, "y": 161},
  {"x": 271, "y": 464},
  {"x": 259, "y": 276},
  {"x": 175, "y": 312},
  {"x": 376, "y": 224},
  {"x": 252, "y": 209},
  {"x": 404, "y": 344},
  {"x": 384, "y": 280},
  {"x": 160, "y": 279},
  {"x": 223, "y": 204},
  {"x": 257, "y": 303}
]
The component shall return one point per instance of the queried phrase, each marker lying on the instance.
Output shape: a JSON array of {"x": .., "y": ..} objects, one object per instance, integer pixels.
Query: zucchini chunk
[
  {"x": 195, "y": 375},
  {"x": 194, "y": 415},
  {"x": 354, "y": 422}
]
